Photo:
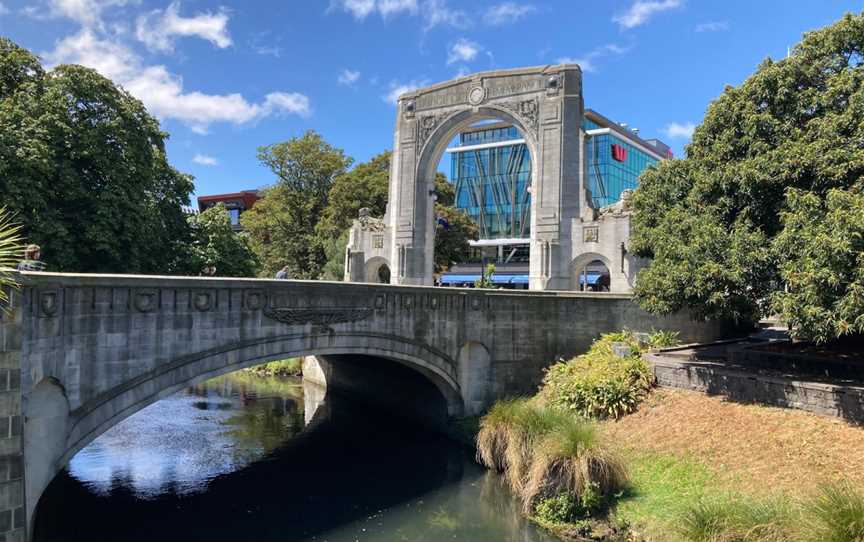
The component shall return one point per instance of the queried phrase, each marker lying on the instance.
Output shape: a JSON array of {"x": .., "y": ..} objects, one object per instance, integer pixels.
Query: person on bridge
[
  {"x": 283, "y": 274},
  {"x": 32, "y": 261}
]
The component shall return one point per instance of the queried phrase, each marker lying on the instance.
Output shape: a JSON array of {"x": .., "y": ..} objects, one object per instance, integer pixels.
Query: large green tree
[
  {"x": 366, "y": 185},
  {"x": 83, "y": 168},
  {"x": 282, "y": 225},
  {"x": 215, "y": 243},
  {"x": 737, "y": 229}
]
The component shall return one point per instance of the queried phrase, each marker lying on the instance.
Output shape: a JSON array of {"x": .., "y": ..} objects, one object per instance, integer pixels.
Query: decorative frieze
[{"x": 318, "y": 316}]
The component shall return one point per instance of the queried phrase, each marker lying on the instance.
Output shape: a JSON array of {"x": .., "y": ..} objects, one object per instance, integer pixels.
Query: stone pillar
[
  {"x": 13, "y": 521},
  {"x": 557, "y": 178}
]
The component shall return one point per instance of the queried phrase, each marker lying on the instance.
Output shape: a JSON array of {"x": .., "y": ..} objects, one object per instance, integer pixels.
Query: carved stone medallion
[{"x": 476, "y": 95}]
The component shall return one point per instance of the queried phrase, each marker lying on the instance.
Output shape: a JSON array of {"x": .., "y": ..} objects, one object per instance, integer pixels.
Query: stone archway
[
  {"x": 545, "y": 103},
  {"x": 593, "y": 272},
  {"x": 377, "y": 271}
]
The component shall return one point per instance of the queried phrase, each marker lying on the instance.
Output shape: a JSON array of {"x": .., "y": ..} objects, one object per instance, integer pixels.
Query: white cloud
[
  {"x": 392, "y": 7},
  {"x": 360, "y": 9},
  {"x": 87, "y": 13},
  {"x": 162, "y": 92},
  {"x": 642, "y": 10},
  {"x": 205, "y": 160},
  {"x": 158, "y": 29},
  {"x": 588, "y": 61},
  {"x": 348, "y": 77},
  {"x": 3, "y": 9},
  {"x": 437, "y": 12},
  {"x": 463, "y": 50},
  {"x": 713, "y": 26},
  {"x": 676, "y": 130},
  {"x": 397, "y": 89},
  {"x": 433, "y": 12},
  {"x": 507, "y": 12}
]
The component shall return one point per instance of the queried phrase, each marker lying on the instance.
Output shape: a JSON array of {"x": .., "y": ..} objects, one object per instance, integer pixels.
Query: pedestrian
[
  {"x": 283, "y": 274},
  {"x": 32, "y": 259}
]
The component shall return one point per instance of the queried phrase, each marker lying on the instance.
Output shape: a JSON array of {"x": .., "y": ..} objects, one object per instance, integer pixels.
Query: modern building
[
  {"x": 236, "y": 203},
  {"x": 490, "y": 168}
]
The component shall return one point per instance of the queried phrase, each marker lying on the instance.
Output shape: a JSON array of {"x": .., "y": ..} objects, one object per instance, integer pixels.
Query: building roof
[
  {"x": 624, "y": 132},
  {"x": 248, "y": 197}
]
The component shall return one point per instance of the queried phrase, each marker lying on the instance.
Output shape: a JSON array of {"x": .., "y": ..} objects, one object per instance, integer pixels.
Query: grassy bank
[
  {"x": 285, "y": 367},
  {"x": 693, "y": 468}
]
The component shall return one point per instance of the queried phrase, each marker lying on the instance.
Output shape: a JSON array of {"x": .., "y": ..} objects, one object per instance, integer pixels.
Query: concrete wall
[{"x": 95, "y": 349}]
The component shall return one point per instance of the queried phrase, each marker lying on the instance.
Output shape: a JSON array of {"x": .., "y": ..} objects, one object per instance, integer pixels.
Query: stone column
[
  {"x": 555, "y": 194},
  {"x": 12, "y": 516}
]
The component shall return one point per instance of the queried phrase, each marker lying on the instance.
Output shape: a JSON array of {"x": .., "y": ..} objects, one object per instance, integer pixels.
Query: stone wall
[
  {"x": 12, "y": 516},
  {"x": 839, "y": 401}
]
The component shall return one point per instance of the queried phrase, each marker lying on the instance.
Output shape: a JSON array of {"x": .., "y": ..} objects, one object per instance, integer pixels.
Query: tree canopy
[
  {"x": 282, "y": 225},
  {"x": 215, "y": 243},
  {"x": 763, "y": 213},
  {"x": 83, "y": 169}
]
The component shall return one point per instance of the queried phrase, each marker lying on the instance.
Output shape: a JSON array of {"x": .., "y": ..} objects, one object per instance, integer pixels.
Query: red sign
[{"x": 619, "y": 153}]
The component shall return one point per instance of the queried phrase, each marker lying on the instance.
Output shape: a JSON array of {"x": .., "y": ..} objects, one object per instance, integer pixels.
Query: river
[{"x": 264, "y": 459}]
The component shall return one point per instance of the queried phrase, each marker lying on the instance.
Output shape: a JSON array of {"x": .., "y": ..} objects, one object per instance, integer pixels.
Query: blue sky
[{"x": 225, "y": 77}]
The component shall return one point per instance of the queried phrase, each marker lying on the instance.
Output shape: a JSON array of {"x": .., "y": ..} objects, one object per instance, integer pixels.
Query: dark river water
[{"x": 266, "y": 459}]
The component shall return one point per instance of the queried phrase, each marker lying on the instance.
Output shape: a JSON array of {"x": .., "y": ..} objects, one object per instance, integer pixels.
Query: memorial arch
[{"x": 546, "y": 106}]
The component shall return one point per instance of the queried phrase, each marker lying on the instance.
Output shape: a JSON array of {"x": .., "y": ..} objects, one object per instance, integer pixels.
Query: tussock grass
[
  {"x": 572, "y": 460},
  {"x": 835, "y": 514},
  {"x": 544, "y": 452},
  {"x": 729, "y": 519}
]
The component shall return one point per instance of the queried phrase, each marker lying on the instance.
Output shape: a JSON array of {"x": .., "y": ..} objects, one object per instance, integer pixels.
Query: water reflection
[{"x": 250, "y": 458}]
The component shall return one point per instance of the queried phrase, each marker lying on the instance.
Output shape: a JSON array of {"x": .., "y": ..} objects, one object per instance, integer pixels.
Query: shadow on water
[{"x": 351, "y": 474}]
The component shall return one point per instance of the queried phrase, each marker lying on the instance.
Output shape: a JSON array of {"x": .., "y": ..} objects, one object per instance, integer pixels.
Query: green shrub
[
  {"x": 562, "y": 508},
  {"x": 284, "y": 367},
  {"x": 836, "y": 514},
  {"x": 599, "y": 384}
]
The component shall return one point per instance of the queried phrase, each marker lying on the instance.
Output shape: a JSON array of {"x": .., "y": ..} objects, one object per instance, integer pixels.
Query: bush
[
  {"x": 599, "y": 383},
  {"x": 836, "y": 514},
  {"x": 562, "y": 508}
]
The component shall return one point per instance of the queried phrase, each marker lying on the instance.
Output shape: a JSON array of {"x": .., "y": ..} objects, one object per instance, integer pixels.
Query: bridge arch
[{"x": 56, "y": 433}]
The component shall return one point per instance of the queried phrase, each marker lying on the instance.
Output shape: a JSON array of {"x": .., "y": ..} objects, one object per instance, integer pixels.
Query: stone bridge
[{"x": 80, "y": 353}]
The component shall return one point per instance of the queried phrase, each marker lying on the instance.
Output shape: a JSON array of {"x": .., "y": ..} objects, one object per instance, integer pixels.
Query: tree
[
  {"x": 731, "y": 226},
  {"x": 453, "y": 230},
  {"x": 367, "y": 185},
  {"x": 214, "y": 242},
  {"x": 282, "y": 225},
  {"x": 83, "y": 167},
  {"x": 334, "y": 250}
]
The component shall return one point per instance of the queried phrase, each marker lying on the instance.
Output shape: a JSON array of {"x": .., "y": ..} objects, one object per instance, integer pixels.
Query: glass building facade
[{"x": 491, "y": 171}]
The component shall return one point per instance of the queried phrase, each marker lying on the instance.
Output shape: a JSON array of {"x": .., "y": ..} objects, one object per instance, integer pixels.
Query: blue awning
[
  {"x": 496, "y": 279},
  {"x": 459, "y": 279},
  {"x": 593, "y": 278}
]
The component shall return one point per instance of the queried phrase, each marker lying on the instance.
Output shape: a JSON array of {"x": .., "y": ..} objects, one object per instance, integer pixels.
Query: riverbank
[
  {"x": 698, "y": 468},
  {"x": 684, "y": 447},
  {"x": 285, "y": 367}
]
